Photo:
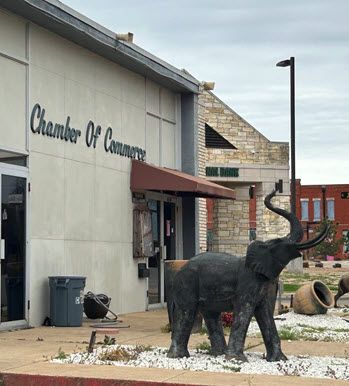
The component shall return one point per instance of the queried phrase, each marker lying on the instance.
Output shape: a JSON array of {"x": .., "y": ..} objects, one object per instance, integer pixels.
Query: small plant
[
  {"x": 204, "y": 346},
  {"x": 142, "y": 348},
  {"x": 166, "y": 328},
  {"x": 235, "y": 369},
  {"x": 61, "y": 354},
  {"x": 203, "y": 330},
  {"x": 108, "y": 341},
  {"x": 118, "y": 354},
  {"x": 311, "y": 329},
  {"x": 341, "y": 330},
  {"x": 288, "y": 334}
]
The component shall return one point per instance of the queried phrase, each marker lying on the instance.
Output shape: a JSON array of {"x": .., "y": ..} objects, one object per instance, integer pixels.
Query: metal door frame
[
  {"x": 18, "y": 171},
  {"x": 165, "y": 198}
]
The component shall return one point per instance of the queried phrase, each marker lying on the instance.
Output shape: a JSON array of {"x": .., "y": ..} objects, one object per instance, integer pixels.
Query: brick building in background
[{"x": 315, "y": 202}]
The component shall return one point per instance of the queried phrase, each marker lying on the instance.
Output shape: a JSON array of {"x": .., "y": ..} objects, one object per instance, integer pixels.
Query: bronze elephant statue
[{"x": 212, "y": 283}]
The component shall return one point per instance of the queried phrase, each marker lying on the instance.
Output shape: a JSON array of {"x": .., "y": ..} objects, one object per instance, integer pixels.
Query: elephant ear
[{"x": 261, "y": 259}]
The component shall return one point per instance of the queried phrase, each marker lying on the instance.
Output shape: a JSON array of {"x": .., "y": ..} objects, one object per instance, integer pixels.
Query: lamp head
[{"x": 284, "y": 63}]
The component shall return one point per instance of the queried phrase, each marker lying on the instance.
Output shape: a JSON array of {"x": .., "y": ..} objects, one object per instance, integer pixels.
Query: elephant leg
[
  {"x": 182, "y": 324},
  {"x": 241, "y": 319},
  {"x": 337, "y": 296},
  {"x": 215, "y": 330},
  {"x": 265, "y": 319}
]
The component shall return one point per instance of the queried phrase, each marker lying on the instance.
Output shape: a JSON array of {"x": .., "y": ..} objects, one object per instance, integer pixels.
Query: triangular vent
[{"x": 215, "y": 140}]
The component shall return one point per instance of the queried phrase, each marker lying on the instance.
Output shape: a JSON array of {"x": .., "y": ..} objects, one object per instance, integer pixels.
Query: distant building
[{"x": 314, "y": 202}]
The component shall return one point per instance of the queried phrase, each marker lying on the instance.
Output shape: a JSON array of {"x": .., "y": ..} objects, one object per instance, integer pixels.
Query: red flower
[{"x": 227, "y": 319}]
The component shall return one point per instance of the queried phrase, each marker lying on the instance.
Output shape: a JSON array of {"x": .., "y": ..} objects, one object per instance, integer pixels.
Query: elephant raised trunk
[{"x": 296, "y": 233}]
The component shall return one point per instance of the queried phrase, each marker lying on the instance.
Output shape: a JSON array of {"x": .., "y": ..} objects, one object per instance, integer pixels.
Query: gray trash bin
[{"x": 66, "y": 300}]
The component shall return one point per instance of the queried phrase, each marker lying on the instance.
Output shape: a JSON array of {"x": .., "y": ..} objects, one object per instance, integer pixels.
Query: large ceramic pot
[{"x": 313, "y": 298}]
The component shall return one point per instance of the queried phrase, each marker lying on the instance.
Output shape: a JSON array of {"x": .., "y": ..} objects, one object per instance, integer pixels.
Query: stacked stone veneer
[
  {"x": 269, "y": 224},
  {"x": 252, "y": 146},
  {"x": 231, "y": 231},
  {"x": 231, "y": 218}
]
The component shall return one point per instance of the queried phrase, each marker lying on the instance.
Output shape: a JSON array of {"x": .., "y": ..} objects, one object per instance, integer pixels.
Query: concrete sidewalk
[{"x": 25, "y": 356}]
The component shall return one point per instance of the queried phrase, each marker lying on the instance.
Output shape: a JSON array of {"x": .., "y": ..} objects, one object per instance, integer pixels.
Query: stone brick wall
[
  {"x": 232, "y": 226},
  {"x": 269, "y": 224},
  {"x": 252, "y": 146},
  {"x": 254, "y": 151}
]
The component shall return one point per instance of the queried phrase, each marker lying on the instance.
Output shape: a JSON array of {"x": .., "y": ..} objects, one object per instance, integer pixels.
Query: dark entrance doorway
[{"x": 13, "y": 247}]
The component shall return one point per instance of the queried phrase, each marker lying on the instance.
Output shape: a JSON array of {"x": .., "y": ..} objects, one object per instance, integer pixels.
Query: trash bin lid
[{"x": 67, "y": 277}]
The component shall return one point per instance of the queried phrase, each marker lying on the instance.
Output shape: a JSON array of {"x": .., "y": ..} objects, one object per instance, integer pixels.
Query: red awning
[{"x": 149, "y": 177}]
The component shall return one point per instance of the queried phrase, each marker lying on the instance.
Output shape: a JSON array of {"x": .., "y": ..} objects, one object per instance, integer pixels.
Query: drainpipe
[{"x": 323, "y": 189}]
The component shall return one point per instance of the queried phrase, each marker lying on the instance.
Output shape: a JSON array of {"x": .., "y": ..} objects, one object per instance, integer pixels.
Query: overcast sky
[{"x": 237, "y": 43}]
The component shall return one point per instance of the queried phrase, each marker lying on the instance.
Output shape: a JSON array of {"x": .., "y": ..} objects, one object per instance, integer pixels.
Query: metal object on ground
[
  {"x": 93, "y": 307},
  {"x": 100, "y": 300},
  {"x": 104, "y": 331},
  {"x": 313, "y": 299}
]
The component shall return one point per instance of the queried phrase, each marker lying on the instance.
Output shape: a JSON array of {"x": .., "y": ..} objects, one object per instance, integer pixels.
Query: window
[
  {"x": 304, "y": 209},
  {"x": 346, "y": 241},
  {"x": 330, "y": 208},
  {"x": 317, "y": 209}
]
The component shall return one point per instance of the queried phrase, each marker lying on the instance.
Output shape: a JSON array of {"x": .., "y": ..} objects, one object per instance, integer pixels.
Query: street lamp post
[{"x": 291, "y": 63}]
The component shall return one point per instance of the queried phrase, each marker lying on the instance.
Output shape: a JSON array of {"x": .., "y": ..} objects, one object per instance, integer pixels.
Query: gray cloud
[{"x": 237, "y": 43}]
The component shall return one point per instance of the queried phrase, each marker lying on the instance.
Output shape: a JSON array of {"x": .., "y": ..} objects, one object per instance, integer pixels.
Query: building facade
[
  {"x": 316, "y": 202},
  {"x": 81, "y": 114},
  {"x": 233, "y": 153}
]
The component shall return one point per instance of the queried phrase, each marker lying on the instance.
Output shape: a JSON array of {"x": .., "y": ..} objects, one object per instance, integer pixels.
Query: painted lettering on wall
[
  {"x": 213, "y": 171},
  {"x": 60, "y": 131}
]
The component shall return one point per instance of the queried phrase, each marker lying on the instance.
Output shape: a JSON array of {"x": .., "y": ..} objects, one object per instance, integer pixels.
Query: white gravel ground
[
  {"x": 327, "y": 327},
  {"x": 336, "y": 329}
]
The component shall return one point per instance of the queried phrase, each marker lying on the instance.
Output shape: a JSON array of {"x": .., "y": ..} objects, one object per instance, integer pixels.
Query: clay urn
[{"x": 313, "y": 298}]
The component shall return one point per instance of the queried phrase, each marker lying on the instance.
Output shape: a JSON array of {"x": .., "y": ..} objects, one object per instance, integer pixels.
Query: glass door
[
  {"x": 170, "y": 230},
  {"x": 163, "y": 215},
  {"x": 154, "y": 262},
  {"x": 13, "y": 245}
]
